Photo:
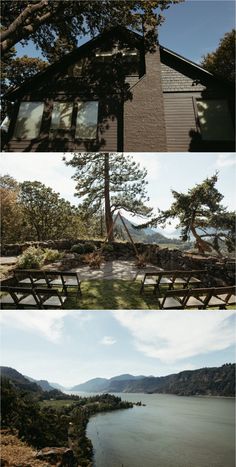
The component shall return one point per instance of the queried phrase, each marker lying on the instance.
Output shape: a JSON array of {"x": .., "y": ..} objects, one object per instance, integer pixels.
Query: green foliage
[
  {"x": 82, "y": 248},
  {"x": 53, "y": 424},
  {"x": 89, "y": 247},
  {"x": 11, "y": 212},
  {"x": 79, "y": 248},
  {"x": 14, "y": 71},
  {"x": 57, "y": 23},
  {"x": 32, "y": 258},
  {"x": 222, "y": 61},
  {"x": 201, "y": 214},
  {"x": 35, "y": 258},
  {"x": 51, "y": 255},
  {"x": 110, "y": 180},
  {"x": 108, "y": 248},
  {"x": 48, "y": 215}
]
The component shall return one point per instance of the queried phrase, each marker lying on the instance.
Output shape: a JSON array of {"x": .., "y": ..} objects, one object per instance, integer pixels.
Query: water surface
[{"x": 170, "y": 431}]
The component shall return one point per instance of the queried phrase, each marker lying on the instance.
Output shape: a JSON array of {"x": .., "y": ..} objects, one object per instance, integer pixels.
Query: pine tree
[
  {"x": 202, "y": 216},
  {"x": 112, "y": 181}
]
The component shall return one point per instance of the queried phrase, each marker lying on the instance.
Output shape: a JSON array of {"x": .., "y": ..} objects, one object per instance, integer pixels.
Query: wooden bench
[
  {"x": 19, "y": 298},
  {"x": 200, "y": 298},
  {"x": 31, "y": 298},
  {"x": 50, "y": 298},
  {"x": 31, "y": 277},
  {"x": 160, "y": 279},
  {"x": 66, "y": 280}
]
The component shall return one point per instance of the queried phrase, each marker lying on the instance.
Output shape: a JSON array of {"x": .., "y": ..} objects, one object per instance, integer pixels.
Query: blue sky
[
  {"x": 70, "y": 347},
  {"x": 192, "y": 28},
  {"x": 165, "y": 171}
]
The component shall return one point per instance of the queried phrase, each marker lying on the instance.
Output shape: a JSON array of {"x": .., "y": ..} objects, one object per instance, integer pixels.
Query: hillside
[
  {"x": 19, "y": 381},
  {"x": 103, "y": 384},
  {"x": 15, "y": 452},
  {"x": 205, "y": 381},
  {"x": 146, "y": 235},
  {"x": 43, "y": 383}
]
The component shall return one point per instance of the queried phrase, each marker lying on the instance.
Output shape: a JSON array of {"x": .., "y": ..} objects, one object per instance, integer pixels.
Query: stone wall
[{"x": 218, "y": 271}]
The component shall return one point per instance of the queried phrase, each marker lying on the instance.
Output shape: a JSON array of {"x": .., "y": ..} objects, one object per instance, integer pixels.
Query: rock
[{"x": 60, "y": 457}]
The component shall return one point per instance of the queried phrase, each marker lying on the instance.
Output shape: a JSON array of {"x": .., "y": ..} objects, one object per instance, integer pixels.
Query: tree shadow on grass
[{"x": 112, "y": 295}]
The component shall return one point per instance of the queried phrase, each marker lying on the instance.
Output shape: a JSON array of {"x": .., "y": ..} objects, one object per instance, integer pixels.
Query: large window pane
[
  {"x": 29, "y": 120},
  {"x": 215, "y": 120},
  {"x": 86, "y": 123},
  {"x": 61, "y": 115}
]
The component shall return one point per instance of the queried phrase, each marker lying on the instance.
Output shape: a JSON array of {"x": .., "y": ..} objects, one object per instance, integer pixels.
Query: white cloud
[
  {"x": 175, "y": 335},
  {"x": 108, "y": 340},
  {"x": 225, "y": 160},
  {"x": 47, "y": 168},
  {"x": 48, "y": 324}
]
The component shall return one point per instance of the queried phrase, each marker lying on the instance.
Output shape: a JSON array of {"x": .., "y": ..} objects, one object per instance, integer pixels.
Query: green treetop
[
  {"x": 222, "y": 61},
  {"x": 112, "y": 181},
  {"x": 201, "y": 215}
]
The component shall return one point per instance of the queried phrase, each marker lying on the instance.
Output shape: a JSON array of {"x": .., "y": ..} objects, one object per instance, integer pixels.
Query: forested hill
[
  {"x": 205, "y": 381},
  {"x": 24, "y": 383}
]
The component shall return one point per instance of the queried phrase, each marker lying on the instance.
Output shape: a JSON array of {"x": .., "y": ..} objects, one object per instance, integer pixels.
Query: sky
[
  {"x": 165, "y": 171},
  {"x": 71, "y": 347},
  {"x": 192, "y": 28}
]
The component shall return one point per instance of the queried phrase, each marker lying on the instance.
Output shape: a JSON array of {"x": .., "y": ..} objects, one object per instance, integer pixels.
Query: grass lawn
[
  {"x": 56, "y": 404},
  {"x": 112, "y": 295}
]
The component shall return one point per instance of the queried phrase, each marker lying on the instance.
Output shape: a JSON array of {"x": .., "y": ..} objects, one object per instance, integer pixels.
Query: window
[
  {"x": 61, "y": 115},
  {"x": 29, "y": 120},
  {"x": 215, "y": 120},
  {"x": 86, "y": 121}
]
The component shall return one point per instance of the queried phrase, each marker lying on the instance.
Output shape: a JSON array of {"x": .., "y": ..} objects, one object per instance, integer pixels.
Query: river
[{"x": 170, "y": 431}]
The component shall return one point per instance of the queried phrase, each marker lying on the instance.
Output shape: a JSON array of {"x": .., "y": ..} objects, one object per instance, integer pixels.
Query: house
[{"x": 114, "y": 93}]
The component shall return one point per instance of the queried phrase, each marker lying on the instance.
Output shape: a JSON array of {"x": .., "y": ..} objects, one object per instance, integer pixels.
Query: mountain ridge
[
  {"x": 213, "y": 381},
  {"x": 203, "y": 381}
]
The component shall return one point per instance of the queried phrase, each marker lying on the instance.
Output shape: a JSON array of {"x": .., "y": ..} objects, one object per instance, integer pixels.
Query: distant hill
[
  {"x": 19, "y": 381},
  {"x": 103, "y": 384},
  {"x": 58, "y": 386},
  {"x": 43, "y": 383},
  {"x": 25, "y": 383},
  {"x": 205, "y": 381},
  {"x": 147, "y": 235}
]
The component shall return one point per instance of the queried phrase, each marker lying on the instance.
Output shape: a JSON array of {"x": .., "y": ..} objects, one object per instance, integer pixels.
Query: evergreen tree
[
  {"x": 112, "y": 181},
  {"x": 201, "y": 215}
]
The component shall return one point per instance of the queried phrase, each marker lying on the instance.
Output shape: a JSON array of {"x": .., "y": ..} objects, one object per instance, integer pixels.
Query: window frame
[
  {"x": 13, "y": 125},
  {"x": 71, "y": 132},
  {"x": 198, "y": 124}
]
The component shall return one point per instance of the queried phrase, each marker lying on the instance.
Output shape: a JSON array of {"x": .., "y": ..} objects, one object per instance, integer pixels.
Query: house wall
[
  {"x": 182, "y": 85},
  {"x": 159, "y": 113},
  {"x": 144, "y": 122}
]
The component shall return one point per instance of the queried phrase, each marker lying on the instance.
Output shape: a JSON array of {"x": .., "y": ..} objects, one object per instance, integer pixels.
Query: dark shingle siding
[{"x": 174, "y": 81}]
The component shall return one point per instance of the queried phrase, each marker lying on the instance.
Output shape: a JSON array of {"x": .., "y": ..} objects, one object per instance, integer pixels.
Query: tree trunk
[
  {"x": 202, "y": 245},
  {"x": 108, "y": 214}
]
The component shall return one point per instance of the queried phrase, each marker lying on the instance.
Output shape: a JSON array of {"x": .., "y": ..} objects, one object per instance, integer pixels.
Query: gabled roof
[
  {"x": 80, "y": 51},
  {"x": 74, "y": 55}
]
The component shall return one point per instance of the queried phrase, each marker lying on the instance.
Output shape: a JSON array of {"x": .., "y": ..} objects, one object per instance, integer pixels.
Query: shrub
[
  {"x": 31, "y": 258},
  {"x": 82, "y": 248},
  {"x": 108, "y": 248},
  {"x": 51, "y": 255},
  {"x": 78, "y": 248},
  {"x": 34, "y": 258},
  {"x": 89, "y": 247}
]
